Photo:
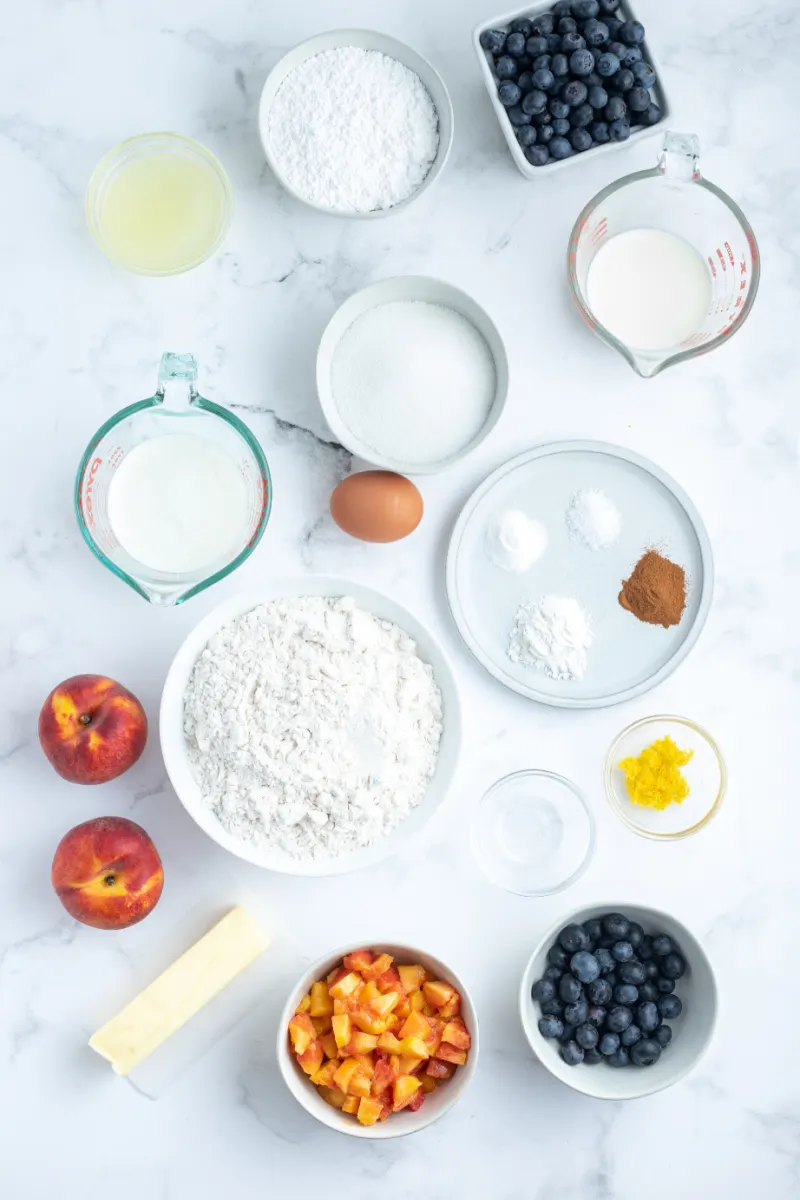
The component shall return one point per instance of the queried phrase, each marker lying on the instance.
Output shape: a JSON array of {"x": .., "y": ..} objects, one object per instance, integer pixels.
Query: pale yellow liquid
[{"x": 162, "y": 212}]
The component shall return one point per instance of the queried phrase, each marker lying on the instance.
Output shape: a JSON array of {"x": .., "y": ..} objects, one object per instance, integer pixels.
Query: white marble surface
[{"x": 78, "y": 339}]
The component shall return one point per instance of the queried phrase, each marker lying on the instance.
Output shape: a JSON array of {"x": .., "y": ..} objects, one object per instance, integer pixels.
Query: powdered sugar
[
  {"x": 353, "y": 130},
  {"x": 312, "y": 726},
  {"x": 552, "y": 634}
]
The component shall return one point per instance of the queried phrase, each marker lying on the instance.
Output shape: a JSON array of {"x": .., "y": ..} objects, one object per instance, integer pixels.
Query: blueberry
[
  {"x": 572, "y": 1054},
  {"x": 598, "y": 97},
  {"x": 543, "y": 989},
  {"x": 553, "y": 973},
  {"x": 506, "y": 67},
  {"x": 569, "y": 989},
  {"x": 579, "y": 118},
  {"x": 651, "y": 970},
  {"x": 613, "y": 26},
  {"x": 571, "y": 42},
  {"x": 494, "y": 40},
  {"x": 581, "y": 62},
  {"x": 541, "y": 119},
  {"x": 631, "y": 972},
  {"x": 559, "y": 65},
  {"x": 558, "y": 108},
  {"x": 558, "y": 956},
  {"x": 664, "y": 986},
  {"x": 645, "y": 949},
  {"x": 574, "y": 93},
  {"x": 607, "y": 64},
  {"x": 652, "y": 116},
  {"x": 518, "y": 116},
  {"x": 622, "y": 951},
  {"x": 544, "y": 24},
  {"x": 591, "y": 1058},
  {"x": 560, "y": 148},
  {"x": 609, "y": 6},
  {"x": 670, "y": 1007},
  {"x": 542, "y": 62},
  {"x": 544, "y": 78},
  {"x": 577, "y": 1013},
  {"x": 537, "y": 155},
  {"x": 597, "y": 1015},
  {"x": 645, "y": 1053},
  {"x": 525, "y": 81},
  {"x": 644, "y": 75},
  {"x": 599, "y": 132},
  {"x": 631, "y": 1035},
  {"x": 545, "y": 132},
  {"x": 593, "y": 80},
  {"x": 620, "y": 1018},
  {"x": 617, "y": 48},
  {"x": 616, "y": 109},
  {"x": 584, "y": 966},
  {"x": 536, "y": 46},
  {"x": 567, "y": 25},
  {"x": 673, "y": 966},
  {"x": 648, "y": 1017},
  {"x": 599, "y": 992},
  {"x": 593, "y": 928},
  {"x": 626, "y": 993},
  {"x": 515, "y": 45},
  {"x": 562, "y": 8},
  {"x": 622, "y": 81},
  {"x": 553, "y": 43},
  {"x": 637, "y": 99},
  {"x": 585, "y": 9},
  {"x": 554, "y": 1007},
  {"x": 648, "y": 991},
  {"x": 550, "y": 1027},
  {"x": 609, "y": 1044},
  {"x": 616, "y": 926},
  {"x": 522, "y": 25},
  {"x": 587, "y": 1036},
  {"x": 663, "y": 1035},
  {"x": 509, "y": 94},
  {"x": 632, "y": 33},
  {"x": 561, "y": 127},
  {"x": 635, "y": 935},
  {"x": 606, "y": 960},
  {"x": 621, "y": 1059},
  {"x": 568, "y": 1034},
  {"x": 595, "y": 33},
  {"x": 534, "y": 102}
]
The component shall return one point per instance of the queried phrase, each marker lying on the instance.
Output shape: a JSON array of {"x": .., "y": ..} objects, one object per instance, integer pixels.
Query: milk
[
  {"x": 178, "y": 504},
  {"x": 649, "y": 288}
]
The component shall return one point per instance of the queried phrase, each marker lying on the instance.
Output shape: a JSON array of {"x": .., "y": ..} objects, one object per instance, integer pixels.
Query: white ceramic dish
[
  {"x": 405, "y": 288},
  {"x": 173, "y": 744},
  {"x": 691, "y": 1031},
  {"x": 530, "y": 172},
  {"x": 398, "y": 1124},
  {"x": 627, "y": 657},
  {"x": 364, "y": 39}
]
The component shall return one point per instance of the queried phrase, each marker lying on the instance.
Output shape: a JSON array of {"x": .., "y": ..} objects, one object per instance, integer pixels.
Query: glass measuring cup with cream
[
  {"x": 173, "y": 493},
  {"x": 662, "y": 264}
]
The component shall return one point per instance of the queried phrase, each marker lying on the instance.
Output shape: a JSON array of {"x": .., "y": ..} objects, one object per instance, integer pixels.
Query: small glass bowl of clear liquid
[{"x": 533, "y": 833}]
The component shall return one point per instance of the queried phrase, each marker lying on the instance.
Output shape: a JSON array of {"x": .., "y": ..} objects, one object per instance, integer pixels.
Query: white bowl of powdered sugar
[
  {"x": 355, "y": 123},
  {"x": 312, "y": 729}
]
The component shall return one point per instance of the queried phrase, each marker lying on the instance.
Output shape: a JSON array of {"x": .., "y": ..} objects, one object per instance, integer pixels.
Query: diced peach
[
  {"x": 377, "y": 967},
  {"x": 439, "y": 1069},
  {"x": 368, "y": 992},
  {"x": 415, "y": 1026},
  {"x": 386, "y": 1111},
  {"x": 452, "y": 1054},
  {"x": 368, "y": 1021},
  {"x": 322, "y": 1025},
  {"x": 387, "y": 1041},
  {"x": 367, "y": 1064},
  {"x": 434, "y": 1035},
  {"x": 345, "y": 1072},
  {"x": 438, "y": 993},
  {"x": 358, "y": 960},
  {"x": 304, "y": 1005},
  {"x": 369, "y": 1111},
  {"x": 324, "y": 1076},
  {"x": 311, "y": 1058},
  {"x": 384, "y": 1076},
  {"x": 393, "y": 1021},
  {"x": 412, "y": 975},
  {"x": 455, "y": 1033},
  {"x": 349, "y": 1004},
  {"x": 361, "y": 1043},
  {"x": 383, "y": 1004},
  {"x": 448, "y": 1011},
  {"x": 403, "y": 1008},
  {"x": 410, "y": 1066},
  {"x": 413, "y": 1047},
  {"x": 301, "y": 1032},
  {"x": 342, "y": 1030},
  {"x": 428, "y": 1010},
  {"x": 329, "y": 1046},
  {"x": 417, "y": 1100},
  {"x": 428, "y": 1084},
  {"x": 394, "y": 1063},
  {"x": 351, "y": 1104},
  {"x": 332, "y": 1096},
  {"x": 389, "y": 981},
  {"x": 335, "y": 975},
  {"x": 321, "y": 1002},
  {"x": 405, "y": 1087},
  {"x": 417, "y": 1001},
  {"x": 348, "y": 985},
  {"x": 361, "y": 1084}
]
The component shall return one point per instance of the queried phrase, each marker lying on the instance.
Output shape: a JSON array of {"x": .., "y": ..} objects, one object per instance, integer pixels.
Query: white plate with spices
[{"x": 626, "y": 656}]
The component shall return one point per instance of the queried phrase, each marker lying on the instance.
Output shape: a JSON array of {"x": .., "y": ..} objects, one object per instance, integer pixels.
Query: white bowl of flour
[
  {"x": 311, "y": 729},
  {"x": 355, "y": 123}
]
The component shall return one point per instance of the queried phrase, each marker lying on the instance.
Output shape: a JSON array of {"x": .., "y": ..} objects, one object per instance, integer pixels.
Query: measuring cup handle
[
  {"x": 680, "y": 156},
  {"x": 177, "y": 376}
]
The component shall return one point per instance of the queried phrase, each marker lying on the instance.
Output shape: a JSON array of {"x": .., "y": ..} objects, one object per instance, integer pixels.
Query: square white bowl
[
  {"x": 692, "y": 1031},
  {"x": 639, "y": 133},
  {"x": 398, "y": 1124}
]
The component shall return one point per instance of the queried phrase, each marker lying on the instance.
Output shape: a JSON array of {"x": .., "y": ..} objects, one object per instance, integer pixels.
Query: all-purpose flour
[
  {"x": 312, "y": 726},
  {"x": 353, "y": 130}
]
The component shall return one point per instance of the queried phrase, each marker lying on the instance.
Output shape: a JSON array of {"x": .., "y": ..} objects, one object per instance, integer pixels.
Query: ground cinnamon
[{"x": 656, "y": 590}]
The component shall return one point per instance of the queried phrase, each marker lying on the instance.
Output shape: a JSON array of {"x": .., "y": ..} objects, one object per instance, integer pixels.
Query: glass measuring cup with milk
[
  {"x": 662, "y": 264},
  {"x": 173, "y": 492}
]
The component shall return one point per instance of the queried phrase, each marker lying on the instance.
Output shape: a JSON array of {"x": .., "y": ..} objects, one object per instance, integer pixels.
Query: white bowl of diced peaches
[{"x": 378, "y": 1042}]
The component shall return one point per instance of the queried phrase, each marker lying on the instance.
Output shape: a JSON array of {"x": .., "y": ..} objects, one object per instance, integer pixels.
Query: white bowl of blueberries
[
  {"x": 570, "y": 77},
  {"x": 619, "y": 1001}
]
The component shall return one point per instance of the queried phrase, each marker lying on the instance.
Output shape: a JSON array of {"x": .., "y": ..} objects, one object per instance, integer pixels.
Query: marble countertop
[{"x": 79, "y": 339}]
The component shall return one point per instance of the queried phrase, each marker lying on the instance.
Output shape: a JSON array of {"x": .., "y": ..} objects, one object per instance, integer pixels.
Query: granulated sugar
[{"x": 353, "y": 130}]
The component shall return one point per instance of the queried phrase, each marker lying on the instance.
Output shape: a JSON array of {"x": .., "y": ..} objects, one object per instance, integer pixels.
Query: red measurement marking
[
  {"x": 738, "y": 301},
  {"x": 751, "y": 241},
  {"x": 730, "y": 252},
  {"x": 600, "y": 230},
  {"x": 721, "y": 259},
  {"x": 88, "y": 500},
  {"x": 743, "y": 267},
  {"x": 711, "y": 267}
]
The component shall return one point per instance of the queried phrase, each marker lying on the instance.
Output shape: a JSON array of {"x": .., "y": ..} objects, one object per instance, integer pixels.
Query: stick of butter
[{"x": 181, "y": 991}]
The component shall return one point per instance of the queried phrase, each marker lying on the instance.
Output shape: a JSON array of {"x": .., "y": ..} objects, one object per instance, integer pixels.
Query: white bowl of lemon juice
[{"x": 159, "y": 204}]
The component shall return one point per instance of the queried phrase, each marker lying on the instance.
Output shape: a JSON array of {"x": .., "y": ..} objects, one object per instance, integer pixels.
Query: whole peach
[
  {"x": 107, "y": 873},
  {"x": 92, "y": 729}
]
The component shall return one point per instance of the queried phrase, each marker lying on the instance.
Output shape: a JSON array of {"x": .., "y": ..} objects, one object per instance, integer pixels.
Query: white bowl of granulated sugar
[
  {"x": 355, "y": 123},
  {"x": 313, "y": 728}
]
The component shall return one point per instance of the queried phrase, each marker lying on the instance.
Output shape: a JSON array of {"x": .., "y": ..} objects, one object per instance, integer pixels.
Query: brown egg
[{"x": 377, "y": 506}]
